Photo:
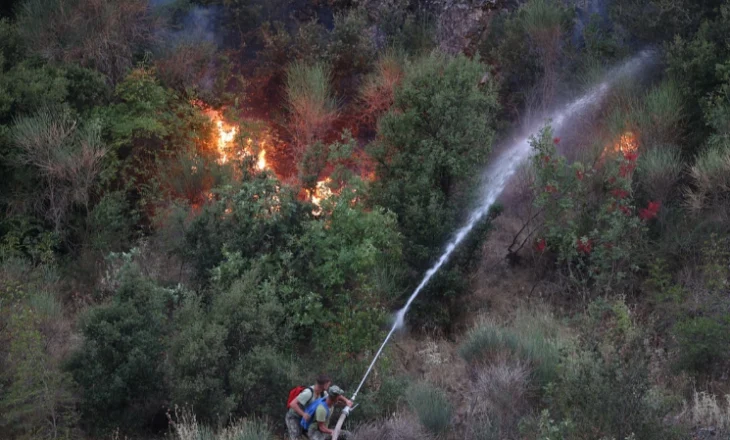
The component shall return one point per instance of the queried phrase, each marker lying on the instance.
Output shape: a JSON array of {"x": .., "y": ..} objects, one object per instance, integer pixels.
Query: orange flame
[
  {"x": 320, "y": 193},
  {"x": 626, "y": 143},
  {"x": 261, "y": 163},
  {"x": 225, "y": 136}
]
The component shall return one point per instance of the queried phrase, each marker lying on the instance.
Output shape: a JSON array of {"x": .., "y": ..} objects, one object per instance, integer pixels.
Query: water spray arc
[{"x": 500, "y": 173}]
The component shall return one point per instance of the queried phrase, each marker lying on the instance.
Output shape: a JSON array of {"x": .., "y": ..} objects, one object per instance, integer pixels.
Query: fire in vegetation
[
  {"x": 321, "y": 192},
  {"x": 225, "y": 134},
  {"x": 626, "y": 143}
]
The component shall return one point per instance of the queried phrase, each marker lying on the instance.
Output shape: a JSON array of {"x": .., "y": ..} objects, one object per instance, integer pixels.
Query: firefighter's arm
[
  {"x": 298, "y": 409},
  {"x": 344, "y": 400},
  {"x": 323, "y": 428}
]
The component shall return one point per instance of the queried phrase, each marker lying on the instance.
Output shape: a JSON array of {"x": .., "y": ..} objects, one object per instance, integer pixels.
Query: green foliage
[
  {"x": 69, "y": 32},
  {"x": 431, "y": 406},
  {"x": 659, "y": 171},
  {"x": 37, "y": 399},
  {"x": 599, "y": 243},
  {"x": 312, "y": 105},
  {"x": 546, "y": 428},
  {"x": 701, "y": 340},
  {"x": 606, "y": 397},
  {"x": 532, "y": 346},
  {"x": 110, "y": 223},
  {"x": 431, "y": 145},
  {"x": 119, "y": 366}
]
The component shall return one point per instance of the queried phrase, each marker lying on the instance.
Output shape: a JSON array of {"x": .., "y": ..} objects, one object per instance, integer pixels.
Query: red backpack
[{"x": 294, "y": 393}]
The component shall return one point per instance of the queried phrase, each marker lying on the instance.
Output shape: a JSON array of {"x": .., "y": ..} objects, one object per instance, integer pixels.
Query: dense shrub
[
  {"x": 488, "y": 341},
  {"x": 119, "y": 365},
  {"x": 431, "y": 407},
  {"x": 102, "y": 35},
  {"x": 702, "y": 341}
]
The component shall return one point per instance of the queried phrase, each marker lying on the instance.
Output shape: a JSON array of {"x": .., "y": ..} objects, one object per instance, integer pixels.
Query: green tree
[
  {"x": 37, "y": 399},
  {"x": 119, "y": 365},
  {"x": 431, "y": 147}
]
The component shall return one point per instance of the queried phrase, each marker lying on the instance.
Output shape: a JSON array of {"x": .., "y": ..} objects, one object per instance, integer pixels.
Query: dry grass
[
  {"x": 185, "y": 426},
  {"x": 497, "y": 400},
  {"x": 398, "y": 427},
  {"x": 709, "y": 411}
]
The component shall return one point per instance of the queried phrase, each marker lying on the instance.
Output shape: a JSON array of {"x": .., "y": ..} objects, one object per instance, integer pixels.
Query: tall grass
[
  {"x": 540, "y": 15},
  {"x": 398, "y": 427},
  {"x": 659, "y": 171},
  {"x": 430, "y": 406},
  {"x": 707, "y": 410},
  {"x": 661, "y": 114},
  {"x": 526, "y": 341},
  {"x": 711, "y": 178},
  {"x": 185, "y": 426},
  {"x": 312, "y": 104}
]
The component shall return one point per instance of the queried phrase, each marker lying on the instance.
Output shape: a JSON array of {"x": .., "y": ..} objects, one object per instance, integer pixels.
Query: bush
[
  {"x": 378, "y": 91},
  {"x": 119, "y": 365},
  {"x": 431, "y": 407},
  {"x": 702, "y": 341},
  {"x": 659, "y": 171},
  {"x": 497, "y": 400},
  {"x": 102, "y": 35},
  {"x": 311, "y": 103},
  {"x": 487, "y": 341}
]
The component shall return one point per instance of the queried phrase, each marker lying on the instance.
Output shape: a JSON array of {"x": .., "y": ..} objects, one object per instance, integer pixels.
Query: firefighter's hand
[{"x": 306, "y": 417}]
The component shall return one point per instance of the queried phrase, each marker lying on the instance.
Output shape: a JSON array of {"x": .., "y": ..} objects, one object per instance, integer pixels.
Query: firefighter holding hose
[{"x": 317, "y": 415}]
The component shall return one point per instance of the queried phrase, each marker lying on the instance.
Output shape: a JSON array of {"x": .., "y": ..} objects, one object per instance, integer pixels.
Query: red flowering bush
[
  {"x": 589, "y": 217},
  {"x": 650, "y": 211}
]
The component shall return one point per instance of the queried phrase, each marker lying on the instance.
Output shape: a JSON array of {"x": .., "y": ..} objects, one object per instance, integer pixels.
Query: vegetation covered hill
[{"x": 207, "y": 202}]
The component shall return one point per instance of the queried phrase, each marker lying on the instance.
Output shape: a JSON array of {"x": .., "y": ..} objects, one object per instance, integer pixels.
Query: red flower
[
  {"x": 585, "y": 246},
  {"x": 551, "y": 189},
  {"x": 650, "y": 211},
  {"x": 612, "y": 180},
  {"x": 556, "y": 140},
  {"x": 626, "y": 169},
  {"x": 579, "y": 174},
  {"x": 608, "y": 245},
  {"x": 631, "y": 156},
  {"x": 620, "y": 193},
  {"x": 625, "y": 209},
  {"x": 540, "y": 244},
  {"x": 546, "y": 159}
]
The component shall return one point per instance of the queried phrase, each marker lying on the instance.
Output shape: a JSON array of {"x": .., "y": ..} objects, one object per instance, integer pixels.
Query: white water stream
[{"x": 504, "y": 167}]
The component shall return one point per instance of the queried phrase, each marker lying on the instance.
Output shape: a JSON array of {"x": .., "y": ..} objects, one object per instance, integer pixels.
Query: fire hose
[{"x": 347, "y": 410}]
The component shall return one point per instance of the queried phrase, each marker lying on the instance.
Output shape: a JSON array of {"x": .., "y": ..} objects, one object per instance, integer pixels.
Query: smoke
[
  {"x": 187, "y": 23},
  {"x": 584, "y": 12}
]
